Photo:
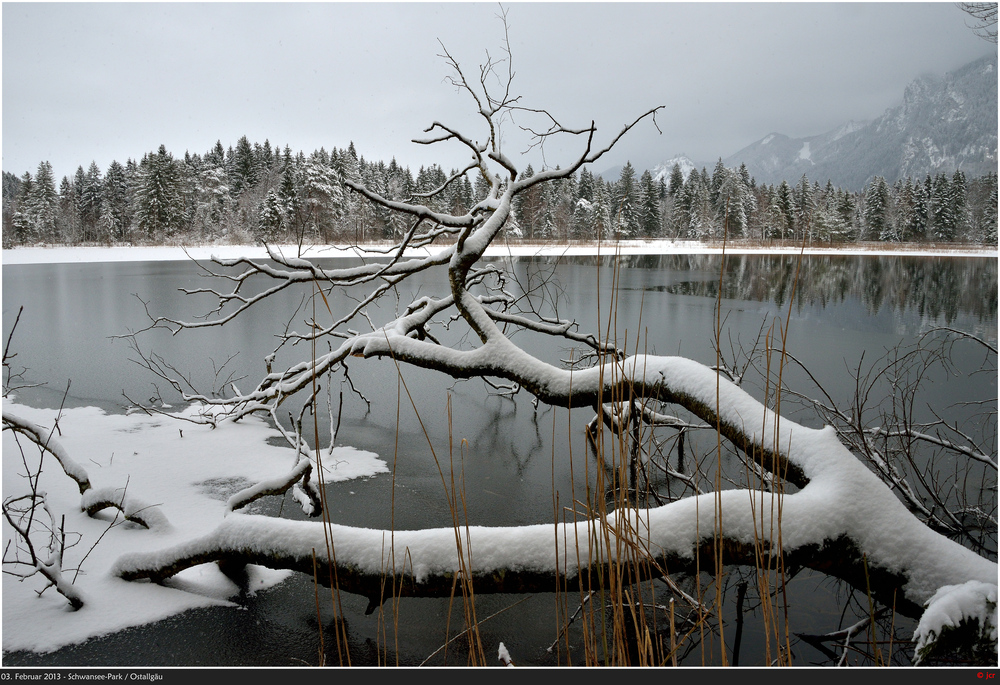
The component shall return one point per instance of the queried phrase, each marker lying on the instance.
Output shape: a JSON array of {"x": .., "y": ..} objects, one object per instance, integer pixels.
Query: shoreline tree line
[{"x": 254, "y": 192}]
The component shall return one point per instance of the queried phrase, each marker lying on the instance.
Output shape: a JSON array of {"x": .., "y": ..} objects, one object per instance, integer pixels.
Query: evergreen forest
[{"x": 259, "y": 193}]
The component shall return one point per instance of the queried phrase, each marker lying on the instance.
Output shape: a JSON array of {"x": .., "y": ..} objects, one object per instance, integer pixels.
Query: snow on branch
[
  {"x": 47, "y": 442},
  {"x": 23, "y": 558},
  {"x": 134, "y": 510}
]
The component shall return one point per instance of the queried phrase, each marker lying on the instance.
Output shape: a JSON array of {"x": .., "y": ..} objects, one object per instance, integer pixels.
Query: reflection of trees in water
[{"x": 932, "y": 286}]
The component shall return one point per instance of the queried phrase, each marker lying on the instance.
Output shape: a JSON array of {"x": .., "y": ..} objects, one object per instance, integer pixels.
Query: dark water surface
[{"x": 516, "y": 457}]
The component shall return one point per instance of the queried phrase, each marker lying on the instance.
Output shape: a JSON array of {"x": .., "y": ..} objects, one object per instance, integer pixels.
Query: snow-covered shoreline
[{"x": 63, "y": 255}]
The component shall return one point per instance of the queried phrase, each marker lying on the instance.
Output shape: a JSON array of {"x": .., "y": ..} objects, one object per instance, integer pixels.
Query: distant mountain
[
  {"x": 662, "y": 169},
  {"x": 944, "y": 123}
]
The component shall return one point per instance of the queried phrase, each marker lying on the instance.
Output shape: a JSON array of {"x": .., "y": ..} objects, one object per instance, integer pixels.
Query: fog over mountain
[{"x": 944, "y": 123}]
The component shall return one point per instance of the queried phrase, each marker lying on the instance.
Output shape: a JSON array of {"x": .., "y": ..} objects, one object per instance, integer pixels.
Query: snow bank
[{"x": 61, "y": 255}]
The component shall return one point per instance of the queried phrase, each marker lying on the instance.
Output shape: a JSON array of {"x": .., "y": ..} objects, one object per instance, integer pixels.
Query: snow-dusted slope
[{"x": 942, "y": 124}]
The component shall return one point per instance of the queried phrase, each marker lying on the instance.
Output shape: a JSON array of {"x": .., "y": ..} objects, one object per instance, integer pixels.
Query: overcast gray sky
[{"x": 105, "y": 82}]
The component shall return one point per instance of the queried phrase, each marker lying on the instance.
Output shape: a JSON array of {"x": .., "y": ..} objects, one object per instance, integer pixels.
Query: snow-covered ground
[{"x": 56, "y": 255}]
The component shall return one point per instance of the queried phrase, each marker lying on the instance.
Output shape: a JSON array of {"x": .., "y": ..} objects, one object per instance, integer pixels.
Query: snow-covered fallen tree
[
  {"x": 809, "y": 500},
  {"x": 842, "y": 520}
]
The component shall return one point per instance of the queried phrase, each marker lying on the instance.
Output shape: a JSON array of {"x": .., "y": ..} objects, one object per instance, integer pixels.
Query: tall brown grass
[{"x": 616, "y": 618}]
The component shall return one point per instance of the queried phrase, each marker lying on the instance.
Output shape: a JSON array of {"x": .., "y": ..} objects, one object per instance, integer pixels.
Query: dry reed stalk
[
  {"x": 340, "y": 631},
  {"x": 717, "y": 529},
  {"x": 463, "y": 578}
]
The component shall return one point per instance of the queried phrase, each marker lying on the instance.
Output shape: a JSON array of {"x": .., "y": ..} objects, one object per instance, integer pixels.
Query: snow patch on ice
[{"x": 180, "y": 478}]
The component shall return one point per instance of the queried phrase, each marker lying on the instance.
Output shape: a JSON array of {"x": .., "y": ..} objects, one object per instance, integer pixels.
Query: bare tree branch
[{"x": 984, "y": 15}]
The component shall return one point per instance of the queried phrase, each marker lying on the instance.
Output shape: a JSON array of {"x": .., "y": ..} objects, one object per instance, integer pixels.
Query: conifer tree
[
  {"x": 27, "y": 185},
  {"x": 904, "y": 207},
  {"x": 68, "y": 228},
  {"x": 322, "y": 199},
  {"x": 736, "y": 202},
  {"x": 481, "y": 186},
  {"x": 585, "y": 188},
  {"x": 581, "y": 227},
  {"x": 288, "y": 197},
  {"x": 676, "y": 179},
  {"x": 159, "y": 198},
  {"x": 878, "y": 223},
  {"x": 116, "y": 219},
  {"x": 718, "y": 178},
  {"x": 941, "y": 210},
  {"x": 90, "y": 202},
  {"x": 270, "y": 219},
  {"x": 684, "y": 202},
  {"x": 701, "y": 212},
  {"x": 982, "y": 209},
  {"x": 803, "y": 207},
  {"x": 649, "y": 206},
  {"x": 626, "y": 203},
  {"x": 959, "y": 202},
  {"x": 216, "y": 157},
  {"x": 786, "y": 206},
  {"x": 79, "y": 181},
  {"x": 772, "y": 222},
  {"x": 43, "y": 204},
  {"x": 243, "y": 174},
  {"x": 602, "y": 221},
  {"x": 212, "y": 199},
  {"x": 989, "y": 210},
  {"x": 533, "y": 209}
]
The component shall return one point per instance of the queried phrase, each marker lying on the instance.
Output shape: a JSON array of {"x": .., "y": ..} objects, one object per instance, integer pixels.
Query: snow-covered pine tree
[
  {"x": 243, "y": 175},
  {"x": 649, "y": 206},
  {"x": 212, "y": 199},
  {"x": 117, "y": 217},
  {"x": 626, "y": 204},
  {"x": 802, "y": 207},
  {"x": 877, "y": 212},
  {"x": 715, "y": 182},
  {"x": 903, "y": 211},
  {"x": 941, "y": 210},
  {"x": 322, "y": 199},
  {"x": 90, "y": 203},
  {"x": 786, "y": 206},
  {"x": 676, "y": 179},
  {"x": 982, "y": 214},
  {"x": 68, "y": 218},
  {"x": 270, "y": 220},
  {"x": 702, "y": 218},
  {"x": 159, "y": 198},
  {"x": 585, "y": 187},
  {"x": 602, "y": 219},
  {"x": 960, "y": 202},
  {"x": 736, "y": 202},
  {"x": 43, "y": 204}
]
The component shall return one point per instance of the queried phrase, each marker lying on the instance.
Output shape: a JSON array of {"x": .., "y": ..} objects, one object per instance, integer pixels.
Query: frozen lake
[{"x": 514, "y": 457}]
